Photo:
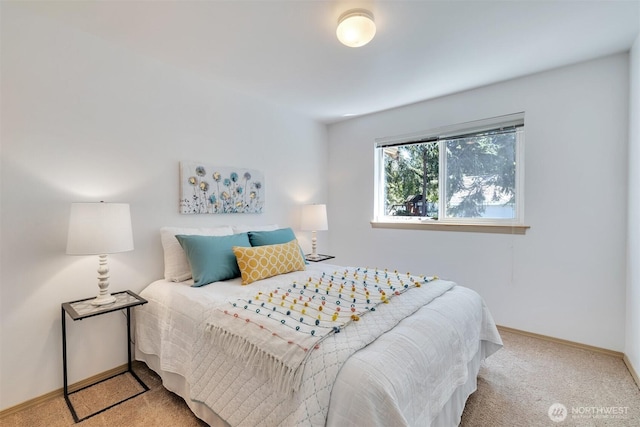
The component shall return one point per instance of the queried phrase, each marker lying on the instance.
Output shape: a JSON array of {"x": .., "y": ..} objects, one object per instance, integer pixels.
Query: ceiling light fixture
[{"x": 356, "y": 27}]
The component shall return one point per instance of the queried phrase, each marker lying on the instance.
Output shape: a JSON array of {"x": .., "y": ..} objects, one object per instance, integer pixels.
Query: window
[{"x": 468, "y": 173}]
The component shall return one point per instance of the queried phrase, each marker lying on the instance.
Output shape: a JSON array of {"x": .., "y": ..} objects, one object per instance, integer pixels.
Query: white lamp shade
[
  {"x": 99, "y": 228},
  {"x": 314, "y": 218},
  {"x": 356, "y": 28}
]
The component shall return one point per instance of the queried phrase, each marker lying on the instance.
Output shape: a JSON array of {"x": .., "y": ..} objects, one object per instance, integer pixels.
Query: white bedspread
[{"x": 433, "y": 345}]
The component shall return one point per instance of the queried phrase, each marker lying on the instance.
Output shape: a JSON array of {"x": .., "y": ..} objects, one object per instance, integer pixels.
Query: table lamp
[
  {"x": 314, "y": 218},
  {"x": 100, "y": 229}
]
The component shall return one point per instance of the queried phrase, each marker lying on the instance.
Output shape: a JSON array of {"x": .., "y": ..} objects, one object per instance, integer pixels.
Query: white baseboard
[{"x": 633, "y": 372}]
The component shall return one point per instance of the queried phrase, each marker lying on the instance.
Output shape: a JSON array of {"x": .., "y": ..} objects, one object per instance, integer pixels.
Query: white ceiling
[{"x": 286, "y": 52}]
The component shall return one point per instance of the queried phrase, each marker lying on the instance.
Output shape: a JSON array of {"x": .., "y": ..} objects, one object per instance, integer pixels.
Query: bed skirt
[{"x": 448, "y": 416}]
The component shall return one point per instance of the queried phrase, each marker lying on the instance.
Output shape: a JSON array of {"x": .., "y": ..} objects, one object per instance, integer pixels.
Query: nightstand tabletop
[
  {"x": 318, "y": 257},
  {"x": 83, "y": 308}
]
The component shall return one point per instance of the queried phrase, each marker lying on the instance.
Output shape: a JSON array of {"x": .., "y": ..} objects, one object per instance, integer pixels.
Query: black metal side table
[{"x": 82, "y": 309}]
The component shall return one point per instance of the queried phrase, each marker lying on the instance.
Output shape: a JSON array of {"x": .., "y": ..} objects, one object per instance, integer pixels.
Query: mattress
[{"x": 418, "y": 373}]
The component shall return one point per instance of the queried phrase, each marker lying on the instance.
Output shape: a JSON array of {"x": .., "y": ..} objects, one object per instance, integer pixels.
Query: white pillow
[
  {"x": 246, "y": 228},
  {"x": 176, "y": 265}
]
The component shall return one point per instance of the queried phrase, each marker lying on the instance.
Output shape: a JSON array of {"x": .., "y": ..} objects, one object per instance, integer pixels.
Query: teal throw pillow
[
  {"x": 211, "y": 257},
  {"x": 275, "y": 237}
]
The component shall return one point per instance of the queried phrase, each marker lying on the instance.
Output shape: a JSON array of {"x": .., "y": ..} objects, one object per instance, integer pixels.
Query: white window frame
[{"x": 500, "y": 225}]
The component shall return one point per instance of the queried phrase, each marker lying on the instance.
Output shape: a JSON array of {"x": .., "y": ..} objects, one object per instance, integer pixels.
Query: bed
[{"x": 406, "y": 354}]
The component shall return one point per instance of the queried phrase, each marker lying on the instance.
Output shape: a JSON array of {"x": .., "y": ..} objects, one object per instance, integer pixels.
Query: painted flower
[
  {"x": 252, "y": 195},
  {"x": 247, "y": 176},
  {"x": 225, "y": 195},
  {"x": 212, "y": 198},
  {"x": 234, "y": 177},
  {"x": 200, "y": 171},
  {"x": 193, "y": 180},
  {"x": 239, "y": 190},
  {"x": 204, "y": 186},
  {"x": 258, "y": 185},
  {"x": 216, "y": 176},
  {"x": 227, "y": 182}
]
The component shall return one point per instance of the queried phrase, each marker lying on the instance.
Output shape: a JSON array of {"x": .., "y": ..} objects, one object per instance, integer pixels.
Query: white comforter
[{"x": 433, "y": 346}]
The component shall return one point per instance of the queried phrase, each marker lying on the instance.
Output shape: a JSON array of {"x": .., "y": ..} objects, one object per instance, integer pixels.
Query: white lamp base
[
  {"x": 314, "y": 240},
  {"x": 104, "y": 297},
  {"x": 103, "y": 300}
]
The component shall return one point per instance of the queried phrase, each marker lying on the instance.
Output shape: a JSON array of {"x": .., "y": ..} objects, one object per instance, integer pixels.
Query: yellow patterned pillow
[{"x": 260, "y": 262}]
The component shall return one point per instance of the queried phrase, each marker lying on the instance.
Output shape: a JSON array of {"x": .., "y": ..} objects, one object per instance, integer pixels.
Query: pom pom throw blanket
[{"x": 275, "y": 332}]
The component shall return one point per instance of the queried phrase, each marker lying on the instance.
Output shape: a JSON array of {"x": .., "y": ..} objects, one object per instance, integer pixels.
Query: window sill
[{"x": 444, "y": 226}]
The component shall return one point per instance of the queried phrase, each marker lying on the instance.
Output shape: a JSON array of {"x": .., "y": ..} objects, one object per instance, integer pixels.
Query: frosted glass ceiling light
[{"x": 356, "y": 27}]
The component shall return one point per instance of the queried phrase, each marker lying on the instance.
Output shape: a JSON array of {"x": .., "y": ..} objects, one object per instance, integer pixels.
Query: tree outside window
[{"x": 468, "y": 176}]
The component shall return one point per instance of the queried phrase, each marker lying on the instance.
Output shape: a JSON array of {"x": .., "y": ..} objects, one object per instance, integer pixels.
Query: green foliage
[
  {"x": 480, "y": 169},
  {"x": 478, "y": 164},
  {"x": 411, "y": 170}
]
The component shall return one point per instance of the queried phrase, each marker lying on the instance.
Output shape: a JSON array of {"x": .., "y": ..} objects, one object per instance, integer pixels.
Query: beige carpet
[
  {"x": 516, "y": 387},
  {"x": 518, "y": 384},
  {"x": 154, "y": 408}
]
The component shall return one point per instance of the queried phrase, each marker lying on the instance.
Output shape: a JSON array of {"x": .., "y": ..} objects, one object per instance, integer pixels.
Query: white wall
[
  {"x": 566, "y": 277},
  {"x": 85, "y": 120},
  {"x": 632, "y": 348}
]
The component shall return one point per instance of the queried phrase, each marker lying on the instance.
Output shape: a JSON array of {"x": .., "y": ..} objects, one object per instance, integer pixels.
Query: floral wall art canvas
[{"x": 214, "y": 189}]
